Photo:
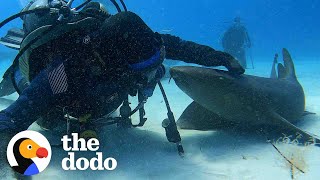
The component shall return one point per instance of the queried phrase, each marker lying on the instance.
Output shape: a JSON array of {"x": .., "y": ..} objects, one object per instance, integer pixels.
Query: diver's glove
[
  {"x": 219, "y": 58},
  {"x": 233, "y": 65}
]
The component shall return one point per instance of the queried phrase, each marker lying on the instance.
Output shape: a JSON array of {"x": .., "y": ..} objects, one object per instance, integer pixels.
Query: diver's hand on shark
[
  {"x": 219, "y": 58},
  {"x": 229, "y": 62},
  {"x": 234, "y": 66}
]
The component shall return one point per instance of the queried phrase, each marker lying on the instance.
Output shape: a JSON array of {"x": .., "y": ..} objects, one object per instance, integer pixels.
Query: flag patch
[{"x": 58, "y": 80}]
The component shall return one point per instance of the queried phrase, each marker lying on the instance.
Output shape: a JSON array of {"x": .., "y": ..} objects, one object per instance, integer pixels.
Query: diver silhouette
[{"x": 235, "y": 41}]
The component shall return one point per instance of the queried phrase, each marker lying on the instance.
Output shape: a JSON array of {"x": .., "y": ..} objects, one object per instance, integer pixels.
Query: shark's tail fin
[{"x": 288, "y": 65}]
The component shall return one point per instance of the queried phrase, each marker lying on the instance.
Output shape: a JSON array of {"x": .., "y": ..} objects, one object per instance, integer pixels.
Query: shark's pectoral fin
[
  {"x": 306, "y": 113},
  {"x": 291, "y": 130},
  {"x": 197, "y": 117}
]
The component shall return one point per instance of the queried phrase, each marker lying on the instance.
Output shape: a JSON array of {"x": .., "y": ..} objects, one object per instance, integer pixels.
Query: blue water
[{"x": 272, "y": 24}]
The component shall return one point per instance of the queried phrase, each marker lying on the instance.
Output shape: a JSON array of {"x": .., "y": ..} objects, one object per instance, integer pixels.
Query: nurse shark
[{"x": 221, "y": 98}]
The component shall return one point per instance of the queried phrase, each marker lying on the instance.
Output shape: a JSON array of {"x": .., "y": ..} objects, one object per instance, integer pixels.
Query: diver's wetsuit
[{"x": 94, "y": 75}]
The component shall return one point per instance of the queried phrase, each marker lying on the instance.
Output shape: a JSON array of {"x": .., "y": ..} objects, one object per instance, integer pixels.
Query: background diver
[
  {"x": 235, "y": 41},
  {"x": 90, "y": 61}
]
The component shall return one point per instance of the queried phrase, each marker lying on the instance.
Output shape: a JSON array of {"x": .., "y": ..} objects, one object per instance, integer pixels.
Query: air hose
[{"x": 170, "y": 125}]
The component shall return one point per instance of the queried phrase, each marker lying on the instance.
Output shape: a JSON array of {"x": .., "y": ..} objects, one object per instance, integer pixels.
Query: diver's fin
[
  {"x": 281, "y": 71},
  {"x": 6, "y": 101},
  {"x": 6, "y": 88},
  {"x": 291, "y": 130},
  {"x": 196, "y": 117},
  {"x": 288, "y": 64},
  {"x": 273, "y": 74},
  {"x": 13, "y": 38},
  {"x": 306, "y": 113},
  {"x": 6, "y": 85}
]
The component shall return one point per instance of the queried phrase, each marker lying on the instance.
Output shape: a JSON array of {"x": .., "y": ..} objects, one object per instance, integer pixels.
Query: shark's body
[{"x": 222, "y": 98}]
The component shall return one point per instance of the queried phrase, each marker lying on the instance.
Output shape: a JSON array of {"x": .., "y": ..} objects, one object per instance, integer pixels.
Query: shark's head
[
  {"x": 188, "y": 78},
  {"x": 206, "y": 85}
]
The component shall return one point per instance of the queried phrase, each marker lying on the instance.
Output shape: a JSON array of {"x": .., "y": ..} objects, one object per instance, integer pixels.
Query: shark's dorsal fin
[
  {"x": 288, "y": 64},
  {"x": 281, "y": 71},
  {"x": 273, "y": 74}
]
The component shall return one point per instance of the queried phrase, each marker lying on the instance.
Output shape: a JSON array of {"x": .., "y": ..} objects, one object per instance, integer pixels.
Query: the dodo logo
[{"x": 29, "y": 153}]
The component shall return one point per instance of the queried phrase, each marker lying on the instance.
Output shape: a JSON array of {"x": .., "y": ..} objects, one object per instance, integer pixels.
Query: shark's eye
[{"x": 29, "y": 147}]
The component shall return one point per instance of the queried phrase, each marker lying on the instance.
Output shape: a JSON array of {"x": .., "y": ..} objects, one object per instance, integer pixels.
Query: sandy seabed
[{"x": 144, "y": 153}]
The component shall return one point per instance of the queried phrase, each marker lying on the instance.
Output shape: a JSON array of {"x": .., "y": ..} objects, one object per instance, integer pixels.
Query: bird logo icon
[{"x": 29, "y": 153}]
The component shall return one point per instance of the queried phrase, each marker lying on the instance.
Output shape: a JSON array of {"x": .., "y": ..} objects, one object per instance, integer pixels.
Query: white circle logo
[{"x": 29, "y": 153}]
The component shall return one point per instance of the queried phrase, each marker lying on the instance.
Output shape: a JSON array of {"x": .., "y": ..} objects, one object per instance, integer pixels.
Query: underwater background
[
  {"x": 272, "y": 24},
  {"x": 146, "y": 154}
]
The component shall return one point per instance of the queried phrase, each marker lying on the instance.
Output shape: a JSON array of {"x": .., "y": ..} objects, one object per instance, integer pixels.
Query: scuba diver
[
  {"x": 85, "y": 62},
  {"x": 235, "y": 41}
]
